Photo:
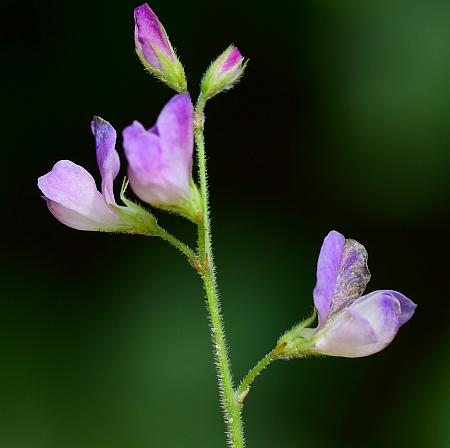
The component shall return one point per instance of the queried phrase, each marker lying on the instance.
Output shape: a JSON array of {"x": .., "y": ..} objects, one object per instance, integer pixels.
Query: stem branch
[
  {"x": 182, "y": 247},
  {"x": 244, "y": 387}
]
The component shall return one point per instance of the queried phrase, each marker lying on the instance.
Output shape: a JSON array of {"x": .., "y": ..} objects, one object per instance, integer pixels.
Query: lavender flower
[
  {"x": 72, "y": 196},
  {"x": 160, "y": 159},
  {"x": 350, "y": 325},
  {"x": 155, "y": 51},
  {"x": 223, "y": 73}
]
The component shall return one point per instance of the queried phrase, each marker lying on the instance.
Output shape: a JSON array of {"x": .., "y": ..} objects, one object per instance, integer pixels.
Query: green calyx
[
  {"x": 298, "y": 342},
  {"x": 171, "y": 72},
  {"x": 137, "y": 219},
  {"x": 190, "y": 209}
]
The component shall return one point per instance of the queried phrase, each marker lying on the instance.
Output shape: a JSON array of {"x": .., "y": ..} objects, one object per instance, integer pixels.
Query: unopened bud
[
  {"x": 155, "y": 51},
  {"x": 223, "y": 73}
]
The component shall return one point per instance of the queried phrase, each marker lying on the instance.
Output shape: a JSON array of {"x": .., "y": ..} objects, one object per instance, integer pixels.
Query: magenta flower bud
[
  {"x": 72, "y": 196},
  {"x": 350, "y": 324},
  {"x": 155, "y": 51},
  {"x": 223, "y": 73},
  {"x": 160, "y": 159}
]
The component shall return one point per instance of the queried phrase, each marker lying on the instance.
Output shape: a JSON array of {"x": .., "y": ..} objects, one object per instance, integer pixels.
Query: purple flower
[
  {"x": 72, "y": 196},
  {"x": 350, "y": 324},
  {"x": 160, "y": 159},
  {"x": 154, "y": 49},
  {"x": 223, "y": 73}
]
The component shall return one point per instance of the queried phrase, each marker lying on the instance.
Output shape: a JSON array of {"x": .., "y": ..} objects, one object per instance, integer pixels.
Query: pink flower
[
  {"x": 160, "y": 159},
  {"x": 72, "y": 196}
]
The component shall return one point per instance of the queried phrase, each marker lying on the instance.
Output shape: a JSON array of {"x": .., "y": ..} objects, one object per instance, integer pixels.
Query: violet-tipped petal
[
  {"x": 155, "y": 51},
  {"x": 223, "y": 73},
  {"x": 160, "y": 159},
  {"x": 366, "y": 327},
  {"x": 107, "y": 157}
]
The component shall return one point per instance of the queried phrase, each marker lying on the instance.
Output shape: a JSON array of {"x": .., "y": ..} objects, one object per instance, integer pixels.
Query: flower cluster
[
  {"x": 160, "y": 160},
  {"x": 160, "y": 173}
]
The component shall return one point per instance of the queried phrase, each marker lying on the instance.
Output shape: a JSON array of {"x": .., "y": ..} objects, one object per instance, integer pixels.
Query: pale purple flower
[
  {"x": 154, "y": 49},
  {"x": 71, "y": 192},
  {"x": 160, "y": 158},
  {"x": 223, "y": 73},
  {"x": 350, "y": 324}
]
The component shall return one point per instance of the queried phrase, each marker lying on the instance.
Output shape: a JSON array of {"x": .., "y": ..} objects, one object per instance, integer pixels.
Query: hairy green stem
[
  {"x": 230, "y": 405},
  {"x": 244, "y": 387},
  {"x": 182, "y": 247}
]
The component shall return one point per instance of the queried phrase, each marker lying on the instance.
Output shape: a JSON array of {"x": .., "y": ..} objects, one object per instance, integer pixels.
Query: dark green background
[{"x": 341, "y": 122}]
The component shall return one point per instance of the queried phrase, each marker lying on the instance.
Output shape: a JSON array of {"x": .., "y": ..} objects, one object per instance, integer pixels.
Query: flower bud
[
  {"x": 155, "y": 51},
  {"x": 223, "y": 73}
]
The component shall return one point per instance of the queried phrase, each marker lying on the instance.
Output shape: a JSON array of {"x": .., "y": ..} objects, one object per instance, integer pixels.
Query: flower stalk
[
  {"x": 175, "y": 242},
  {"x": 244, "y": 387},
  {"x": 230, "y": 404}
]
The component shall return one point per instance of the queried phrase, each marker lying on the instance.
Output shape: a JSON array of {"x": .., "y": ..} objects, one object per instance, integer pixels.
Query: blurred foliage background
[{"x": 342, "y": 121}]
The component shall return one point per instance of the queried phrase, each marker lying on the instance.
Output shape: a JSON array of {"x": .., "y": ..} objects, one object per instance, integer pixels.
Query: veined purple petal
[
  {"x": 327, "y": 272},
  {"x": 150, "y": 35},
  {"x": 107, "y": 157},
  {"x": 353, "y": 275},
  {"x": 73, "y": 198},
  {"x": 342, "y": 274},
  {"x": 233, "y": 60},
  {"x": 160, "y": 159},
  {"x": 367, "y": 326}
]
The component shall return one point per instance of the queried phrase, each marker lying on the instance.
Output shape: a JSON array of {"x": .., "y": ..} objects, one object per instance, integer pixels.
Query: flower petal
[
  {"x": 233, "y": 60},
  {"x": 150, "y": 34},
  {"x": 364, "y": 328},
  {"x": 160, "y": 159},
  {"x": 70, "y": 186},
  {"x": 349, "y": 332},
  {"x": 353, "y": 275},
  {"x": 107, "y": 157},
  {"x": 73, "y": 219},
  {"x": 407, "y": 306},
  {"x": 176, "y": 129},
  {"x": 143, "y": 151},
  {"x": 327, "y": 272}
]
